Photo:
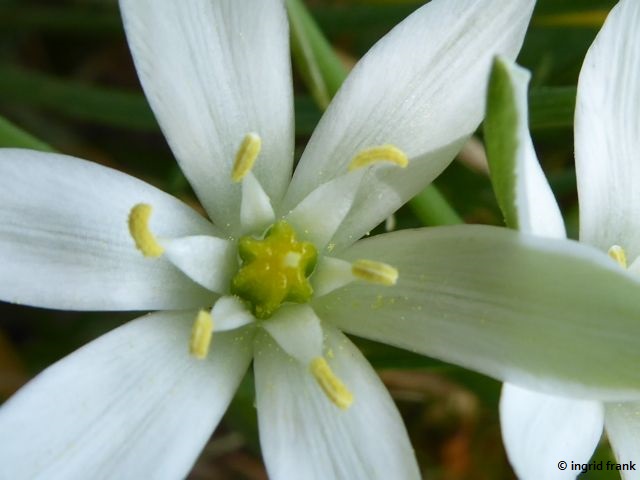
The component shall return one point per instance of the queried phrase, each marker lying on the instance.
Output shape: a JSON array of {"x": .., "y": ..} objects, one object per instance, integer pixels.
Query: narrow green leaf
[
  {"x": 432, "y": 208},
  {"x": 551, "y": 107},
  {"x": 580, "y": 18},
  {"x": 554, "y": 7},
  {"x": 321, "y": 69},
  {"x": 78, "y": 19},
  {"x": 307, "y": 114},
  {"x": 104, "y": 106},
  {"x": 362, "y": 20},
  {"x": 13, "y": 136},
  {"x": 77, "y": 100}
]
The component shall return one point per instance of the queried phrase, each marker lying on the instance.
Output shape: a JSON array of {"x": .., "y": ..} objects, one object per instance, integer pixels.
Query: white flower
[
  {"x": 135, "y": 404},
  {"x": 539, "y": 429}
]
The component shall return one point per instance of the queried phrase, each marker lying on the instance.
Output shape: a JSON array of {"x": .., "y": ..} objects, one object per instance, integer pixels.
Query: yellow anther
[
  {"x": 201, "y": 335},
  {"x": 382, "y": 153},
  {"x": 139, "y": 230},
  {"x": 374, "y": 272},
  {"x": 331, "y": 385},
  {"x": 246, "y": 156},
  {"x": 618, "y": 254}
]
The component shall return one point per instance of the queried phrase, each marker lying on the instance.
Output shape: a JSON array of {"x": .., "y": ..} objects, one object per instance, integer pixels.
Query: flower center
[{"x": 274, "y": 270}]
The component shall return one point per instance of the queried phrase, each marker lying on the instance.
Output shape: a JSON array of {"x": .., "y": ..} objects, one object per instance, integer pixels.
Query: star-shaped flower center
[{"x": 274, "y": 270}]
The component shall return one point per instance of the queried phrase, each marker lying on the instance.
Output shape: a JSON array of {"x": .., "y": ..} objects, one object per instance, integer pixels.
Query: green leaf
[
  {"x": 432, "y": 208},
  {"x": 307, "y": 114},
  {"x": 362, "y": 20},
  {"x": 13, "y": 136},
  {"x": 321, "y": 69},
  {"x": 77, "y": 100},
  {"x": 88, "y": 20},
  {"x": 551, "y": 107},
  {"x": 105, "y": 106}
]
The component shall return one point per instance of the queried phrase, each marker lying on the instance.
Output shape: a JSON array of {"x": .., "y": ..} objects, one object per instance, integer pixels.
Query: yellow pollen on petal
[
  {"x": 331, "y": 385},
  {"x": 246, "y": 156},
  {"x": 139, "y": 229},
  {"x": 201, "y": 335},
  {"x": 619, "y": 255},
  {"x": 374, "y": 272},
  {"x": 379, "y": 154}
]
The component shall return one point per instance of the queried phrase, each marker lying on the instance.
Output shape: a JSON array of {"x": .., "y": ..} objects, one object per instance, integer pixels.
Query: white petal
[
  {"x": 230, "y": 313},
  {"x": 208, "y": 261},
  {"x": 297, "y": 330},
  {"x": 256, "y": 213},
  {"x": 65, "y": 243},
  {"x": 523, "y": 193},
  {"x": 304, "y": 436},
  {"x": 607, "y": 134},
  {"x": 522, "y": 309},
  {"x": 540, "y": 430},
  {"x": 132, "y": 404},
  {"x": 422, "y": 89},
  {"x": 634, "y": 268},
  {"x": 384, "y": 191},
  {"x": 319, "y": 215},
  {"x": 622, "y": 421},
  {"x": 331, "y": 274},
  {"x": 214, "y": 71}
]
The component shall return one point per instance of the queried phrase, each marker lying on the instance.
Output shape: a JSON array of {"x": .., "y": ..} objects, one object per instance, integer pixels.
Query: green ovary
[{"x": 274, "y": 270}]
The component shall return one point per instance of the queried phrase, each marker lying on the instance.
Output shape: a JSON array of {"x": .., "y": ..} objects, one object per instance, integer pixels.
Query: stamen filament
[
  {"x": 619, "y": 255},
  {"x": 246, "y": 156},
  {"x": 331, "y": 385},
  {"x": 374, "y": 272},
  {"x": 139, "y": 229},
  {"x": 383, "y": 153},
  {"x": 201, "y": 335}
]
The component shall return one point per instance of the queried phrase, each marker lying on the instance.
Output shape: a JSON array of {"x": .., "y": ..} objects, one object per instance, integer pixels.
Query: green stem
[{"x": 432, "y": 208}]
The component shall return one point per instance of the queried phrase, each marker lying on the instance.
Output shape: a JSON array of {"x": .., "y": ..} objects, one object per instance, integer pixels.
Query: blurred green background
[{"x": 67, "y": 79}]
